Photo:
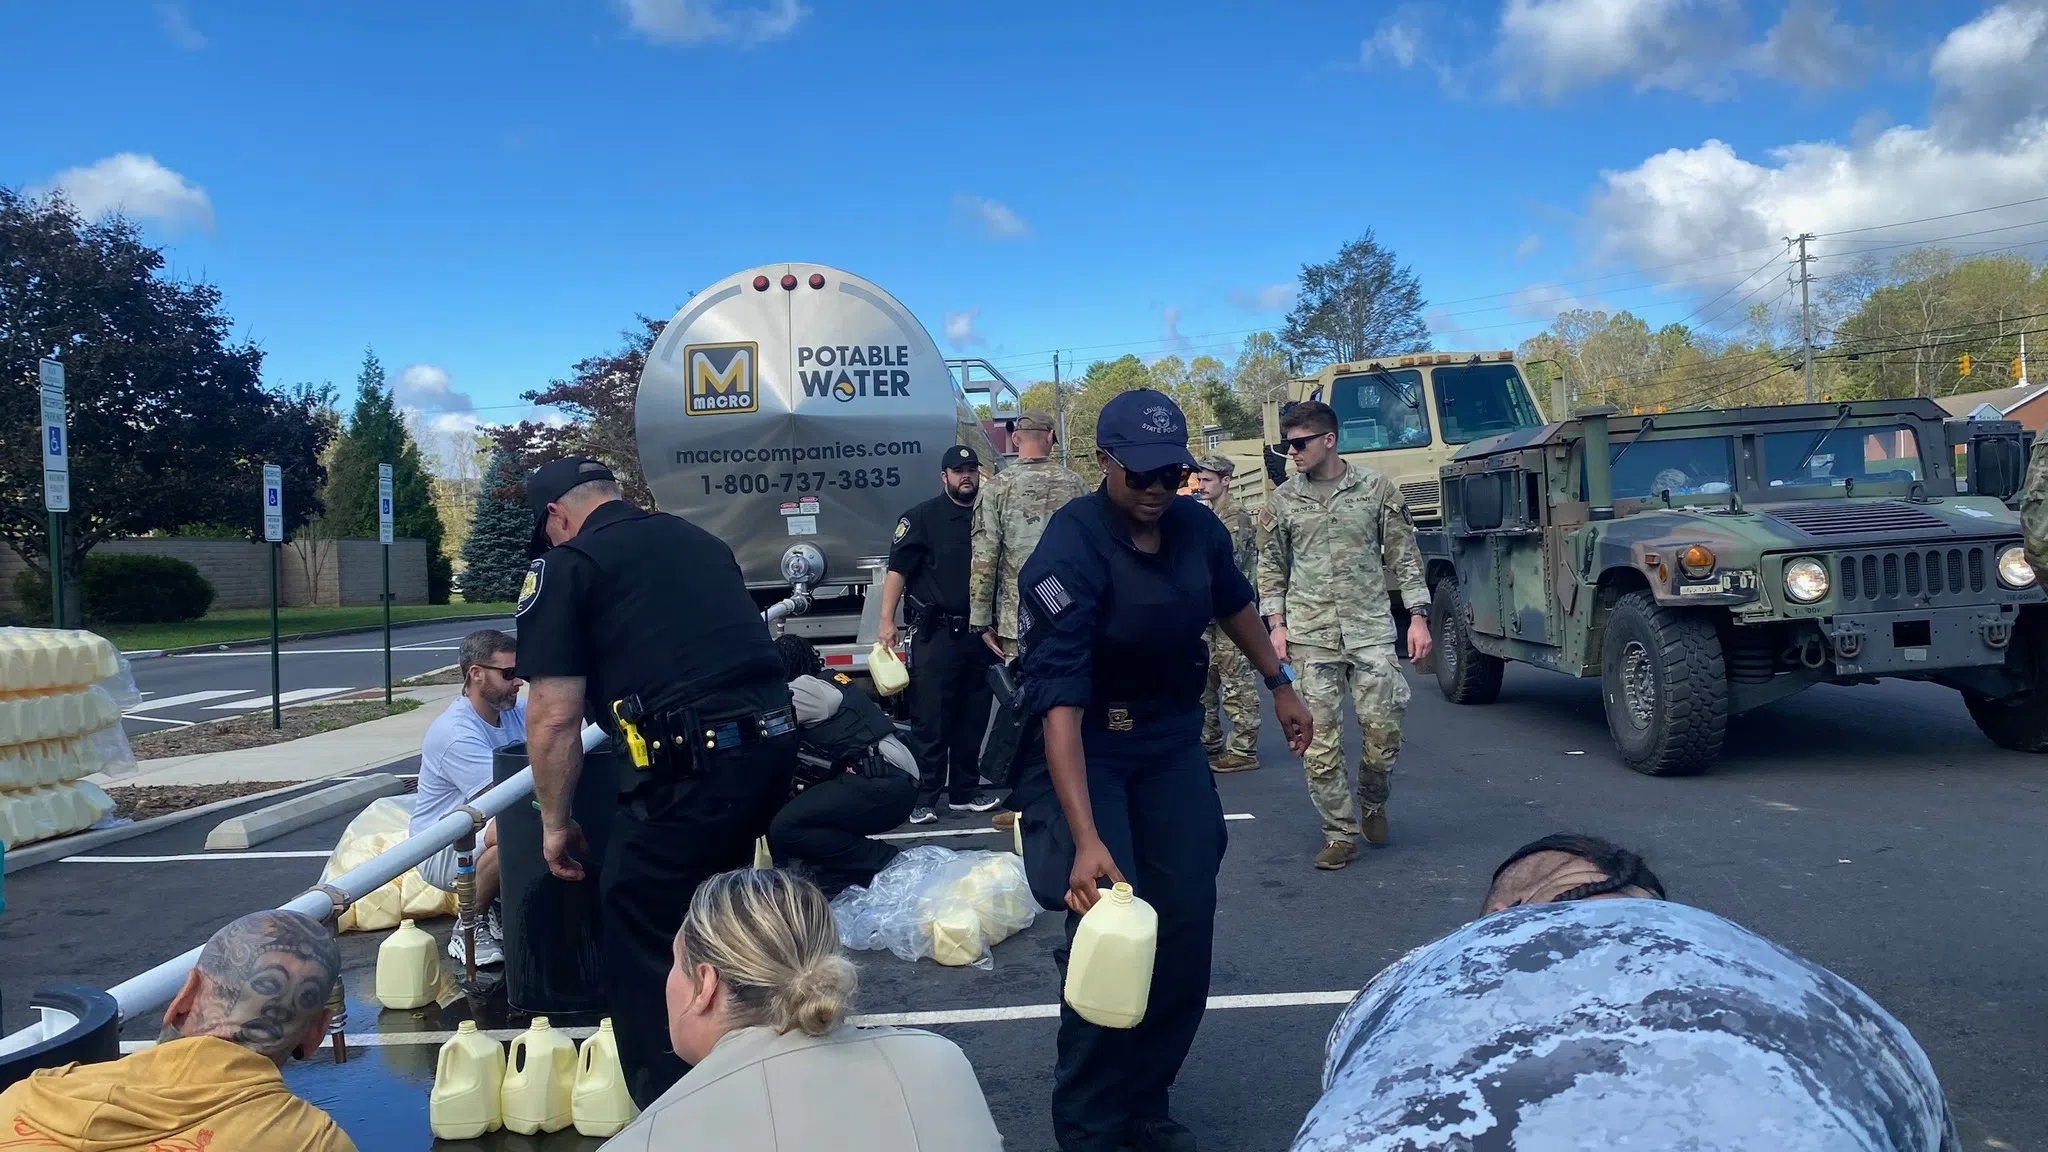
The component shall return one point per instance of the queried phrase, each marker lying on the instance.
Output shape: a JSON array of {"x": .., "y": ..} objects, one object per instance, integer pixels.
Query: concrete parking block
[{"x": 268, "y": 823}]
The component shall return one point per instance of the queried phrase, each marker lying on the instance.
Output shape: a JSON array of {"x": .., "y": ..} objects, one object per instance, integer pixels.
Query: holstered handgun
[{"x": 1005, "y": 730}]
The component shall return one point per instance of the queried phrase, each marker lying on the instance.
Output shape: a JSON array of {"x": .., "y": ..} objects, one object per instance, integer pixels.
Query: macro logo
[{"x": 722, "y": 378}]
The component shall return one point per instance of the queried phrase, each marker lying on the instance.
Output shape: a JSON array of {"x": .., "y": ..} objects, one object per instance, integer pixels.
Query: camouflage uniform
[
  {"x": 1231, "y": 680},
  {"x": 1009, "y": 516},
  {"x": 2033, "y": 500},
  {"x": 1321, "y": 570}
]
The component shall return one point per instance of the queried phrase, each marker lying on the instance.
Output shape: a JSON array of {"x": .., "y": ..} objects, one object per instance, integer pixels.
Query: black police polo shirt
[
  {"x": 933, "y": 549},
  {"x": 647, "y": 604}
]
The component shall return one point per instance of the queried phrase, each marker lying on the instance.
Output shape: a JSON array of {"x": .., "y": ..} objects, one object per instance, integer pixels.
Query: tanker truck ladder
[{"x": 1004, "y": 402}]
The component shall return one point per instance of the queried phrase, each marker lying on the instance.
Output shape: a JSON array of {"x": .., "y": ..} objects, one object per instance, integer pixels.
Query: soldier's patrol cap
[
  {"x": 549, "y": 483},
  {"x": 1218, "y": 463},
  {"x": 1144, "y": 429},
  {"x": 959, "y": 456},
  {"x": 1034, "y": 420}
]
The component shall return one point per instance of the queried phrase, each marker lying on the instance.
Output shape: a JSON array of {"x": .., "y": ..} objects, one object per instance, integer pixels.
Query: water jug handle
[{"x": 518, "y": 1060}]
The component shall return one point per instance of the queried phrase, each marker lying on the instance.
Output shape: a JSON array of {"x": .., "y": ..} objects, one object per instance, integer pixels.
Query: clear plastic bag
[
  {"x": 109, "y": 751},
  {"x": 938, "y": 904},
  {"x": 121, "y": 685},
  {"x": 382, "y": 826}
]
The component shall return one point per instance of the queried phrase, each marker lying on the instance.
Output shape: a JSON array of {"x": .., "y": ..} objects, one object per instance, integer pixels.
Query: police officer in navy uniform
[
  {"x": 1115, "y": 786},
  {"x": 641, "y": 622},
  {"x": 949, "y": 692}
]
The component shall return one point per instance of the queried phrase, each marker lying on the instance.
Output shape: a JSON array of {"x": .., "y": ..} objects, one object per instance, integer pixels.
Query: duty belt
[
  {"x": 673, "y": 744},
  {"x": 1126, "y": 715},
  {"x": 932, "y": 620}
]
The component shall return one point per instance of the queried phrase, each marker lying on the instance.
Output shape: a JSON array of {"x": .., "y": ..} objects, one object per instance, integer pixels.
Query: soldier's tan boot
[
  {"x": 1373, "y": 822},
  {"x": 1335, "y": 855},
  {"x": 1232, "y": 762},
  {"x": 1004, "y": 819}
]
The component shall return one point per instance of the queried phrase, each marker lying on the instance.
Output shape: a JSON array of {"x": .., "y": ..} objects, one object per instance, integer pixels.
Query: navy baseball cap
[
  {"x": 1144, "y": 429},
  {"x": 959, "y": 456},
  {"x": 549, "y": 483}
]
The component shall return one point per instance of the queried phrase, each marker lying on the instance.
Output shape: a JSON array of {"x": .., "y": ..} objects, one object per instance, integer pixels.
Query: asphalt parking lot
[{"x": 1871, "y": 829}]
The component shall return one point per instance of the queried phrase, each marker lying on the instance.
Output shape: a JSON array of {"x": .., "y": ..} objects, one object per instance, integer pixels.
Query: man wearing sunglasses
[
  {"x": 1330, "y": 532},
  {"x": 455, "y": 768}
]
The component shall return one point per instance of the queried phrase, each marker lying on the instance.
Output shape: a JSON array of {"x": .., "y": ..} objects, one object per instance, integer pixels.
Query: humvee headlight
[
  {"x": 2013, "y": 569},
  {"x": 1806, "y": 580},
  {"x": 1698, "y": 561}
]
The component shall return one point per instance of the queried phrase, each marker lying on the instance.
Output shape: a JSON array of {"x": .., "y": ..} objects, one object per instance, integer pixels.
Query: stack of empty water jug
[{"x": 61, "y": 694}]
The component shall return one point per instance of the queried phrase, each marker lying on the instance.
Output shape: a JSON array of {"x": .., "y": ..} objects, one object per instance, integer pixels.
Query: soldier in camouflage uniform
[
  {"x": 2033, "y": 500},
  {"x": 1231, "y": 682},
  {"x": 1009, "y": 516},
  {"x": 1325, "y": 537}
]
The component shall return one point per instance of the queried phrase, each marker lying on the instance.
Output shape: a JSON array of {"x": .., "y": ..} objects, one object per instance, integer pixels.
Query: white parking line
[
  {"x": 187, "y": 698},
  {"x": 197, "y": 856},
  {"x": 265, "y": 652},
  {"x": 899, "y": 1019},
  {"x": 291, "y": 697}
]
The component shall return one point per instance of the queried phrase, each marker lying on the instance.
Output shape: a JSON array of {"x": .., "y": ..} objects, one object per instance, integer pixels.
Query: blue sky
[{"x": 486, "y": 192}]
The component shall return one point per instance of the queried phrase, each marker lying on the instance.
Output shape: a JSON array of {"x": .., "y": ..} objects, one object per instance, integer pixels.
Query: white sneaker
[{"x": 489, "y": 949}]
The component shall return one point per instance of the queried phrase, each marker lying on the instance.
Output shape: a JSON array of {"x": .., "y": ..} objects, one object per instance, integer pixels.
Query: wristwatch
[
  {"x": 1422, "y": 611},
  {"x": 1284, "y": 676}
]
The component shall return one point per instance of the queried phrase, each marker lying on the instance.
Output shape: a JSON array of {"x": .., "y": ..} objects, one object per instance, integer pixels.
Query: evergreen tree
[
  {"x": 376, "y": 434},
  {"x": 494, "y": 556}
]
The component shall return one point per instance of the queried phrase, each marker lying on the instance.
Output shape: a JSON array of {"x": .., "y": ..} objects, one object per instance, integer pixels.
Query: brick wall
[{"x": 309, "y": 572}]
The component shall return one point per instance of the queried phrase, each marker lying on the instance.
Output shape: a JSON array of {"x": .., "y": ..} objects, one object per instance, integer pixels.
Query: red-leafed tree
[{"x": 598, "y": 400}]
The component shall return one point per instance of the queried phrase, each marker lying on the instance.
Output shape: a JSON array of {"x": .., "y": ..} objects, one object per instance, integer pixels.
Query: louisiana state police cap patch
[{"x": 529, "y": 589}]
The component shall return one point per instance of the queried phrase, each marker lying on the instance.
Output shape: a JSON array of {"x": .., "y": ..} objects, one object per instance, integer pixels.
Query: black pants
[
  {"x": 949, "y": 704},
  {"x": 1156, "y": 808},
  {"x": 824, "y": 832},
  {"x": 666, "y": 840}
]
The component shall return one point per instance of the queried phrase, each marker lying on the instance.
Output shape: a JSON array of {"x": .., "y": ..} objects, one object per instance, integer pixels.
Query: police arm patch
[
  {"x": 529, "y": 589},
  {"x": 1053, "y": 596},
  {"x": 902, "y": 527}
]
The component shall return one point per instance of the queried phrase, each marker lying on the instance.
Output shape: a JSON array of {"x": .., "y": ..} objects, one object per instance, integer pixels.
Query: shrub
[{"x": 125, "y": 588}]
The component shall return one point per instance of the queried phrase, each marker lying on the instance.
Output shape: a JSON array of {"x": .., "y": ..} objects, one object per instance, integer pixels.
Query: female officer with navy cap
[{"x": 1114, "y": 785}]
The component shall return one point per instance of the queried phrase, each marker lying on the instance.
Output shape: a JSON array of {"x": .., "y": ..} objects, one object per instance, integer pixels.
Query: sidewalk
[{"x": 357, "y": 748}]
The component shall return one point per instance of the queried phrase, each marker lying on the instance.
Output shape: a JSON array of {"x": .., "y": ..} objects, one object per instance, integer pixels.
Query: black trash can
[{"x": 553, "y": 964}]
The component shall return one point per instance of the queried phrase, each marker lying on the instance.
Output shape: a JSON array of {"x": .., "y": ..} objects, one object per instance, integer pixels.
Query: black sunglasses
[
  {"x": 507, "y": 673},
  {"x": 1300, "y": 443},
  {"x": 1168, "y": 476}
]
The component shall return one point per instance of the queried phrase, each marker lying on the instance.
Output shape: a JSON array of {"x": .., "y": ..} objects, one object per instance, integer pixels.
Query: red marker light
[
  {"x": 788, "y": 282},
  {"x": 817, "y": 279},
  {"x": 760, "y": 283}
]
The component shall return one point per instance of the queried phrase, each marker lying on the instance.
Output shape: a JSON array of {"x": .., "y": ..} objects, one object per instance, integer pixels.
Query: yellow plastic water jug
[
  {"x": 469, "y": 1082},
  {"x": 1109, "y": 974},
  {"x": 1017, "y": 834},
  {"x": 406, "y": 964},
  {"x": 599, "y": 1104},
  {"x": 956, "y": 936},
  {"x": 762, "y": 857},
  {"x": 540, "y": 1080},
  {"x": 889, "y": 674}
]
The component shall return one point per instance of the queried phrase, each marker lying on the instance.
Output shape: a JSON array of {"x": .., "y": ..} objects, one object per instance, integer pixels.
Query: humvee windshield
[
  {"x": 1475, "y": 401},
  {"x": 1379, "y": 410},
  {"x": 1689, "y": 466},
  {"x": 1865, "y": 455}
]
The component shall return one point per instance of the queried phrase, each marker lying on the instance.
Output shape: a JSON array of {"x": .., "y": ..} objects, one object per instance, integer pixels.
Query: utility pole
[
  {"x": 1059, "y": 407},
  {"x": 1805, "y": 309}
]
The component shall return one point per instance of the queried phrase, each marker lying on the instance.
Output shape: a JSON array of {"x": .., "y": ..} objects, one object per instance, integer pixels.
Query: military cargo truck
[{"x": 1702, "y": 564}]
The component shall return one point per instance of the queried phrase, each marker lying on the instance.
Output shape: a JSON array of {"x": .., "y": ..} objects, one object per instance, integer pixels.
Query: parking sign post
[
  {"x": 273, "y": 531},
  {"x": 56, "y": 451},
  {"x": 384, "y": 537}
]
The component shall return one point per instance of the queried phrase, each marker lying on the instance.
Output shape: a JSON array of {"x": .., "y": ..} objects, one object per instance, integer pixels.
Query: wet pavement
[{"x": 1872, "y": 830}]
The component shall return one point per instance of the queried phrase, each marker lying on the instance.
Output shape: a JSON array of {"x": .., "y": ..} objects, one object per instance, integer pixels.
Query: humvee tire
[
  {"x": 2019, "y": 725},
  {"x": 1665, "y": 685},
  {"x": 1464, "y": 673}
]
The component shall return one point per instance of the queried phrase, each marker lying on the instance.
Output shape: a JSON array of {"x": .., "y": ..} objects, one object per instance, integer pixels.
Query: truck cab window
[
  {"x": 1474, "y": 401},
  {"x": 1379, "y": 410},
  {"x": 1694, "y": 466},
  {"x": 1865, "y": 455}
]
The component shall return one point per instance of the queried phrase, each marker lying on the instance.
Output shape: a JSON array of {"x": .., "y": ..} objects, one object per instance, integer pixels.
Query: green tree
[
  {"x": 599, "y": 400},
  {"x": 170, "y": 420},
  {"x": 494, "y": 557},
  {"x": 376, "y": 434},
  {"x": 1360, "y": 304}
]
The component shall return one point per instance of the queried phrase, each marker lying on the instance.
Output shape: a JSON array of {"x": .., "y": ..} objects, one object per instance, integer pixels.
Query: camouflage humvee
[{"x": 1709, "y": 562}]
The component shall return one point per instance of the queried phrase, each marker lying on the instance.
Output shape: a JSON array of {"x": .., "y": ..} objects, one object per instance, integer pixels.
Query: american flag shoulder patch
[{"x": 1053, "y": 596}]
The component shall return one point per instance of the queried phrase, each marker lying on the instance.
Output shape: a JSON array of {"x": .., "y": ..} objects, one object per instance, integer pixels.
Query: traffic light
[
  {"x": 2018, "y": 369},
  {"x": 1963, "y": 364}
]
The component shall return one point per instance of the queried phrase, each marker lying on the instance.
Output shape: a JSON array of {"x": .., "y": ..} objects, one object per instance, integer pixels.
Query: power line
[{"x": 1931, "y": 219}]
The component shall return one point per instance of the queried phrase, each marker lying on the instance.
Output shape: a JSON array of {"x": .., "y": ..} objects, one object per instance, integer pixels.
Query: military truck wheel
[
  {"x": 1666, "y": 687},
  {"x": 2019, "y": 725},
  {"x": 1464, "y": 673}
]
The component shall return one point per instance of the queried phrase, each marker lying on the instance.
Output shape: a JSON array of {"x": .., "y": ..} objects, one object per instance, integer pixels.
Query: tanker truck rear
[{"x": 796, "y": 411}]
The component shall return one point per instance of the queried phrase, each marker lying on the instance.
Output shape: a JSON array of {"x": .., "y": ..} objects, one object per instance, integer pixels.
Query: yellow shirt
[{"x": 189, "y": 1095}]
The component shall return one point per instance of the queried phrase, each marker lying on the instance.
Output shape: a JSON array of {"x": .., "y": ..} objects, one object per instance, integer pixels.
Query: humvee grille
[
  {"x": 1921, "y": 575},
  {"x": 1421, "y": 495},
  {"x": 1845, "y": 518}
]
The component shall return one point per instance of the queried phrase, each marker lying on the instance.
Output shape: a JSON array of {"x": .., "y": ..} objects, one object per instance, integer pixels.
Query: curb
[
  {"x": 57, "y": 849},
  {"x": 271, "y": 821},
  {"x": 291, "y": 637}
]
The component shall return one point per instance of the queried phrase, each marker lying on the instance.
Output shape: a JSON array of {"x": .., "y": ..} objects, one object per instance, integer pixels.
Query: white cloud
[
  {"x": 1530, "y": 245},
  {"x": 1544, "y": 301},
  {"x": 134, "y": 185},
  {"x": 960, "y": 331},
  {"x": 1272, "y": 298},
  {"x": 178, "y": 26},
  {"x": 1551, "y": 47},
  {"x": 1169, "y": 332},
  {"x": 699, "y": 21},
  {"x": 1988, "y": 73},
  {"x": 1445, "y": 331},
  {"x": 1398, "y": 41},
  {"x": 424, "y": 387},
  {"x": 993, "y": 219},
  {"x": 1809, "y": 46}
]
